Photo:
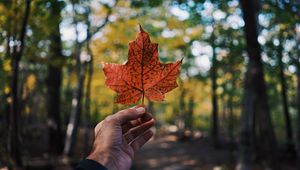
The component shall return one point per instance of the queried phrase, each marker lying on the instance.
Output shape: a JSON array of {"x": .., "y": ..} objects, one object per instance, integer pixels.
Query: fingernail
[{"x": 140, "y": 110}]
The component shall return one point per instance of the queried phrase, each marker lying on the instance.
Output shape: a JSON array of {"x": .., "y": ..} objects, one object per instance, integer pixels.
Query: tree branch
[
  {"x": 106, "y": 21},
  {"x": 23, "y": 30}
]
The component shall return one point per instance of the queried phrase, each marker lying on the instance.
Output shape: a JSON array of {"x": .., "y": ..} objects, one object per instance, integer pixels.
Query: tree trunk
[
  {"x": 288, "y": 125},
  {"x": 214, "y": 115},
  {"x": 90, "y": 71},
  {"x": 54, "y": 82},
  {"x": 298, "y": 101},
  {"x": 73, "y": 124},
  {"x": 150, "y": 107},
  {"x": 247, "y": 133},
  {"x": 255, "y": 97},
  {"x": 7, "y": 95},
  {"x": 88, "y": 108},
  {"x": 71, "y": 135},
  {"x": 181, "y": 120},
  {"x": 298, "y": 116},
  {"x": 190, "y": 113},
  {"x": 14, "y": 108},
  {"x": 230, "y": 120},
  {"x": 14, "y": 116}
]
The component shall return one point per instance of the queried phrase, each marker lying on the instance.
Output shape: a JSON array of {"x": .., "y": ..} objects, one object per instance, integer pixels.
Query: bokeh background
[{"x": 237, "y": 101}]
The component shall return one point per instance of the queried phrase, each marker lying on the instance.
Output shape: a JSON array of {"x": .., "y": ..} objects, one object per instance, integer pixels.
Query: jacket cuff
[{"x": 88, "y": 164}]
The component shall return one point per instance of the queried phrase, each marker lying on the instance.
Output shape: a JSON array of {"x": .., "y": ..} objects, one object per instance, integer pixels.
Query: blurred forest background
[{"x": 237, "y": 104}]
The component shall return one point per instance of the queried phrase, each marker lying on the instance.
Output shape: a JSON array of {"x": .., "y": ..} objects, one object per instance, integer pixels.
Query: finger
[
  {"x": 134, "y": 123},
  {"x": 134, "y": 133},
  {"x": 146, "y": 117},
  {"x": 127, "y": 126},
  {"x": 96, "y": 129},
  {"x": 140, "y": 141},
  {"x": 129, "y": 114}
]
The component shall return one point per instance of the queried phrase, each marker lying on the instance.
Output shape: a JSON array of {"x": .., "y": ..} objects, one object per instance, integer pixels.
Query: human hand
[{"x": 119, "y": 136}]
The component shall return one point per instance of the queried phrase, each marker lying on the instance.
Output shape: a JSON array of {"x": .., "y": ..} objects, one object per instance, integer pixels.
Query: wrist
[{"x": 103, "y": 158}]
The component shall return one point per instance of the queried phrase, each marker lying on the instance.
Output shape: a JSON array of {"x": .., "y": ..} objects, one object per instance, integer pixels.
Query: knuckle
[
  {"x": 98, "y": 127},
  {"x": 131, "y": 110},
  {"x": 125, "y": 111},
  {"x": 109, "y": 119},
  {"x": 128, "y": 111}
]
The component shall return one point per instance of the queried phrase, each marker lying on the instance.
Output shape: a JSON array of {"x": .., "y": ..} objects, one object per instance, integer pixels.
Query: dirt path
[{"x": 169, "y": 154}]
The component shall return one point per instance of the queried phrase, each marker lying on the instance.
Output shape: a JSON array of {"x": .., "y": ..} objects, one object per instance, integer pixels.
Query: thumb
[{"x": 130, "y": 114}]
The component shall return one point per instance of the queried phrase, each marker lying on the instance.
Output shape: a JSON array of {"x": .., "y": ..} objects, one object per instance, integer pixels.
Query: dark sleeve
[{"x": 88, "y": 164}]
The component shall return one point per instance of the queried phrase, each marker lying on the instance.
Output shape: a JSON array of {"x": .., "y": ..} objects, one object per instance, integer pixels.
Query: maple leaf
[{"x": 143, "y": 74}]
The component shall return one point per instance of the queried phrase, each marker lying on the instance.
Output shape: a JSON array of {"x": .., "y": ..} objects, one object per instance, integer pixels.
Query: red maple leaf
[{"x": 143, "y": 74}]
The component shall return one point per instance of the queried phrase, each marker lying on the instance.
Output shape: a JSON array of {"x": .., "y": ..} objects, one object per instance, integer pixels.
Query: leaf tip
[
  {"x": 141, "y": 28},
  {"x": 181, "y": 60}
]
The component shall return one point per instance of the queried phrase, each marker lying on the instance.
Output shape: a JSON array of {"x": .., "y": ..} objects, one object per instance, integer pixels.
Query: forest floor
[
  {"x": 164, "y": 152},
  {"x": 170, "y": 153}
]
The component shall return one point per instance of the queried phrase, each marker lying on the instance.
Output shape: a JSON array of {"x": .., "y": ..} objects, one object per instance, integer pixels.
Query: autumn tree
[
  {"x": 255, "y": 102},
  {"x": 17, "y": 37},
  {"x": 298, "y": 99},
  {"x": 215, "y": 110},
  {"x": 54, "y": 79},
  {"x": 76, "y": 110},
  {"x": 287, "y": 117},
  {"x": 283, "y": 18}
]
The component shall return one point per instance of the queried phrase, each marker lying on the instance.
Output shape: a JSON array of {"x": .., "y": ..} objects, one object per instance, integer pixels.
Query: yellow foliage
[
  {"x": 220, "y": 81},
  {"x": 7, "y": 90},
  {"x": 27, "y": 110},
  {"x": 194, "y": 32},
  {"x": 220, "y": 90},
  {"x": 30, "y": 82},
  {"x": 7, "y": 66},
  {"x": 174, "y": 23},
  {"x": 228, "y": 76}
]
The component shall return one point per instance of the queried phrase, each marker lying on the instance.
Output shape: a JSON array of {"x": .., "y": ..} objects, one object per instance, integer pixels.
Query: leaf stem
[{"x": 142, "y": 64}]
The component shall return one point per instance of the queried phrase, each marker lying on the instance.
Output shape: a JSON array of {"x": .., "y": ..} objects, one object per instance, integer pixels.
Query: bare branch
[
  {"x": 106, "y": 21},
  {"x": 23, "y": 30}
]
